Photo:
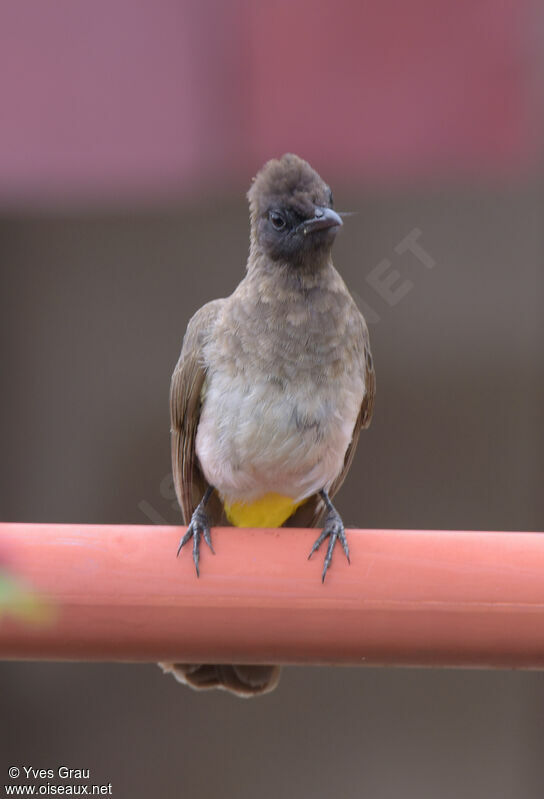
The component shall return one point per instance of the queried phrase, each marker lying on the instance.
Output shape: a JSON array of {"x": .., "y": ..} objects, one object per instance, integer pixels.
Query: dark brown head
[{"x": 292, "y": 219}]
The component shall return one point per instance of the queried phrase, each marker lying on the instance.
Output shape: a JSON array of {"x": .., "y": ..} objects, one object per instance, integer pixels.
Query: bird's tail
[{"x": 241, "y": 680}]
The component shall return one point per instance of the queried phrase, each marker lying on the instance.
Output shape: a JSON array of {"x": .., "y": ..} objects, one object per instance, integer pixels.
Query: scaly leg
[
  {"x": 334, "y": 529},
  {"x": 200, "y": 525}
]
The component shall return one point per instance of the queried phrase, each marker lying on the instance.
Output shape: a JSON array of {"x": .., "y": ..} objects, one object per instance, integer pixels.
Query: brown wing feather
[
  {"x": 311, "y": 513},
  {"x": 185, "y": 401},
  {"x": 188, "y": 382}
]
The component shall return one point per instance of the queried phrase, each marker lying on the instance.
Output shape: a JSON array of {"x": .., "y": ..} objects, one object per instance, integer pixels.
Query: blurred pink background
[{"x": 115, "y": 99}]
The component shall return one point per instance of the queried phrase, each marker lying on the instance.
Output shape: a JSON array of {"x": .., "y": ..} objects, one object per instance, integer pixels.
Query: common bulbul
[{"x": 271, "y": 390}]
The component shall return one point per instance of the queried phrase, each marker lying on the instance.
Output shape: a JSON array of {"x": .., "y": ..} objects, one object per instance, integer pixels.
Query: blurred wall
[{"x": 93, "y": 309}]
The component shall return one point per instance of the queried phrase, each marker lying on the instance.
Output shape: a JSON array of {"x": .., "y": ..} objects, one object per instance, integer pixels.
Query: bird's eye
[
  {"x": 331, "y": 199},
  {"x": 277, "y": 220}
]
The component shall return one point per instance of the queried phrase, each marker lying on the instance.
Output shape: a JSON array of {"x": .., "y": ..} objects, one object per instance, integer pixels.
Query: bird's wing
[
  {"x": 311, "y": 513},
  {"x": 185, "y": 402},
  {"x": 188, "y": 382}
]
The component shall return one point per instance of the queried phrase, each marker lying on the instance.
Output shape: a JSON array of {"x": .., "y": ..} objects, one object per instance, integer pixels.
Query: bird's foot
[
  {"x": 200, "y": 525},
  {"x": 334, "y": 531}
]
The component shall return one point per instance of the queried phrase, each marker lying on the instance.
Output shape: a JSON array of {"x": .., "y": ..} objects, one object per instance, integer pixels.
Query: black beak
[{"x": 323, "y": 219}]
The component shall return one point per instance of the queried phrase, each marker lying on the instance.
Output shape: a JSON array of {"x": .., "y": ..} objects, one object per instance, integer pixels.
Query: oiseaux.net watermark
[
  {"x": 387, "y": 282},
  {"x": 58, "y": 781}
]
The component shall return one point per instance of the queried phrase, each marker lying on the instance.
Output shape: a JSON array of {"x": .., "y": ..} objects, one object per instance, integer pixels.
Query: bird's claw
[
  {"x": 200, "y": 526},
  {"x": 334, "y": 530}
]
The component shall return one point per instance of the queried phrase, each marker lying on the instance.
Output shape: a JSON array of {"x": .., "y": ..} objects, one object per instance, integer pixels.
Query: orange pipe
[{"x": 410, "y": 597}]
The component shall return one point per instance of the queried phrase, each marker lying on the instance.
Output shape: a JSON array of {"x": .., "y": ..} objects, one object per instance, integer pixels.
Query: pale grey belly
[{"x": 254, "y": 438}]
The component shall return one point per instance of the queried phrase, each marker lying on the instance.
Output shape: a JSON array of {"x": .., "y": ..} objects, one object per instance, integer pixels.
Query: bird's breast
[
  {"x": 284, "y": 385},
  {"x": 261, "y": 433}
]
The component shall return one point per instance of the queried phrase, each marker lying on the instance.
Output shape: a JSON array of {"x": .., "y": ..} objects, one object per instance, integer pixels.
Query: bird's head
[{"x": 292, "y": 218}]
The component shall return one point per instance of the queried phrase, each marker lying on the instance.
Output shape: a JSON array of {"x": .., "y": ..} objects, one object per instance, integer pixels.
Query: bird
[{"x": 271, "y": 390}]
